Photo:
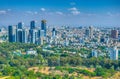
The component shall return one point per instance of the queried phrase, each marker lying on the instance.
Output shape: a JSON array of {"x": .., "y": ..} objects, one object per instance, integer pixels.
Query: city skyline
[{"x": 60, "y": 12}]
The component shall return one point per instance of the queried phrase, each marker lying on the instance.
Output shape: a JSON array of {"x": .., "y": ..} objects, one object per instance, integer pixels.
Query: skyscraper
[
  {"x": 19, "y": 35},
  {"x": 20, "y": 25},
  {"x": 25, "y": 36},
  {"x": 12, "y": 33},
  {"x": 91, "y": 32},
  {"x": 32, "y": 24},
  {"x": 87, "y": 32},
  {"x": 43, "y": 26},
  {"x": 34, "y": 35},
  {"x": 40, "y": 36}
]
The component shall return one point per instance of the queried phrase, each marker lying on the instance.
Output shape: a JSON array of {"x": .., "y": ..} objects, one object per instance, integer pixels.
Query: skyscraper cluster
[{"x": 33, "y": 35}]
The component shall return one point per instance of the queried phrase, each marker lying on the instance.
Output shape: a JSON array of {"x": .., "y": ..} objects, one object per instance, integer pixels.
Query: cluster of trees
[
  {"x": 73, "y": 60},
  {"x": 98, "y": 71},
  {"x": 23, "y": 73},
  {"x": 13, "y": 65},
  {"x": 17, "y": 66}
]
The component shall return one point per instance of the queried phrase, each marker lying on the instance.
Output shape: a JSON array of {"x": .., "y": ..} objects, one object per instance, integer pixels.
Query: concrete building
[
  {"x": 44, "y": 27},
  {"x": 20, "y": 25},
  {"x": 32, "y": 24},
  {"x": 114, "y": 53},
  {"x": 25, "y": 34},
  {"x": 19, "y": 36},
  {"x": 12, "y": 33},
  {"x": 114, "y": 34},
  {"x": 31, "y": 52},
  {"x": 94, "y": 53}
]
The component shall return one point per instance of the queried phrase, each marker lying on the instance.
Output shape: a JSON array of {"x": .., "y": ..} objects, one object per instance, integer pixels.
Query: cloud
[
  {"x": 73, "y": 8},
  {"x": 43, "y": 9},
  {"x": 59, "y": 13},
  {"x": 74, "y": 11},
  {"x": 3, "y": 12}
]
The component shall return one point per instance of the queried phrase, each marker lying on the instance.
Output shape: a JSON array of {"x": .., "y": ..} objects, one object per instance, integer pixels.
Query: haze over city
[{"x": 61, "y": 12}]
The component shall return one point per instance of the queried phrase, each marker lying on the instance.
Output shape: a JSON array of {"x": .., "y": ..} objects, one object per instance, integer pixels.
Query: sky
[{"x": 61, "y": 12}]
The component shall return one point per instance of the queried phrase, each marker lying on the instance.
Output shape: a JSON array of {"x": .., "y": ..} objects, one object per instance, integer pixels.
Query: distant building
[
  {"x": 12, "y": 33},
  {"x": 34, "y": 35},
  {"x": 17, "y": 52},
  {"x": 81, "y": 40},
  {"x": 91, "y": 32},
  {"x": 54, "y": 32},
  {"x": 87, "y": 32},
  {"x": 114, "y": 34},
  {"x": 66, "y": 42},
  {"x": 44, "y": 27},
  {"x": 31, "y": 52},
  {"x": 114, "y": 53},
  {"x": 32, "y": 24},
  {"x": 102, "y": 39},
  {"x": 94, "y": 53},
  {"x": 41, "y": 40},
  {"x": 20, "y": 25},
  {"x": 25, "y": 36},
  {"x": 19, "y": 35},
  {"x": 41, "y": 33}
]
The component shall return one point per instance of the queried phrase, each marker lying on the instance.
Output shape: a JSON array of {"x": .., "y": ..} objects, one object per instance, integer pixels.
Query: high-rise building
[
  {"x": 25, "y": 36},
  {"x": 87, "y": 32},
  {"x": 40, "y": 37},
  {"x": 34, "y": 35},
  {"x": 91, "y": 32},
  {"x": 22, "y": 35},
  {"x": 20, "y": 25},
  {"x": 19, "y": 35},
  {"x": 40, "y": 33},
  {"x": 54, "y": 33},
  {"x": 41, "y": 40},
  {"x": 114, "y": 34},
  {"x": 114, "y": 53},
  {"x": 32, "y": 24},
  {"x": 12, "y": 33},
  {"x": 43, "y": 26}
]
